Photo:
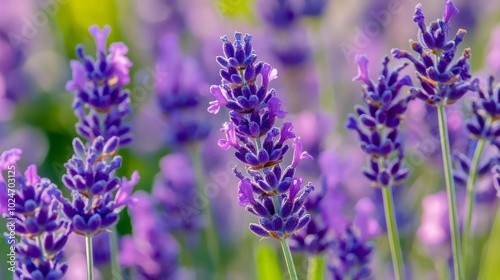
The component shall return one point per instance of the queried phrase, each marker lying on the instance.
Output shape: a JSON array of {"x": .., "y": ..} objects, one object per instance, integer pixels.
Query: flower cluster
[
  {"x": 42, "y": 229},
  {"x": 314, "y": 238},
  {"x": 253, "y": 112},
  {"x": 178, "y": 93},
  {"x": 382, "y": 113},
  {"x": 283, "y": 17},
  {"x": 463, "y": 164},
  {"x": 100, "y": 102},
  {"x": 175, "y": 189},
  {"x": 151, "y": 250},
  {"x": 284, "y": 13},
  {"x": 484, "y": 122},
  {"x": 98, "y": 195},
  {"x": 443, "y": 81},
  {"x": 351, "y": 256}
]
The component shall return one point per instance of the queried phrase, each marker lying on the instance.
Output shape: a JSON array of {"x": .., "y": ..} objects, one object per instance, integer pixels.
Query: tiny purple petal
[
  {"x": 31, "y": 175},
  {"x": 245, "y": 193},
  {"x": 126, "y": 186},
  {"x": 362, "y": 61},
  {"x": 298, "y": 154},
  {"x": 268, "y": 74},
  {"x": 77, "y": 82},
  {"x": 121, "y": 63},
  {"x": 220, "y": 99},
  {"x": 231, "y": 139},
  {"x": 449, "y": 10},
  {"x": 100, "y": 36}
]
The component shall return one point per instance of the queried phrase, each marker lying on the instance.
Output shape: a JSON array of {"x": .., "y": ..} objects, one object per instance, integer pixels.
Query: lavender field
[{"x": 249, "y": 139}]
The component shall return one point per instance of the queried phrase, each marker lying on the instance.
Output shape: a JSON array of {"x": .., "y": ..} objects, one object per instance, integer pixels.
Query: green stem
[
  {"x": 442, "y": 270},
  {"x": 469, "y": 202},
  {"x": 316, "y": 268},
  {"x": 90, "y": 265},
  {"x": 286, "y": 250},
  {"x": 289, "y": 260},
  {"x": 210, "y": 231},
  {"x": 115, "y": 266},
  {"x": 392, "y": 232},
  {"x": 450, "y": 189}
]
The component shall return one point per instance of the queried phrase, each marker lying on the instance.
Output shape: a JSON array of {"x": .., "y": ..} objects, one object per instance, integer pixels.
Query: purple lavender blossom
[
  {"x": 314, "y": 8},
  {"x": 434, "y": 229},
  {"x": 442, "y": 81},
  {"x": 378, "y": 123},
  {"x": 280, "y": 13},
  {"x": 98, "y": 194},
  {"x": 484, "y": 122},
  {"x": 151, "y": 250},
  {"x": 175, "y": 190},
  {"x": 100, "y": 102},
  {"x": 315, "y": 238},
  {"x": 178, "y": 94},
  {"x": 43, "y": 232},
  {"x": 352, "y": 247},
  {"x": 351, "y": 257},
  {"x": 253, "y": 112}
]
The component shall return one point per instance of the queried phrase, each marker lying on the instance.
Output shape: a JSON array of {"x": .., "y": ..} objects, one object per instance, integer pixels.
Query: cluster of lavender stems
[
  {"x": 101, "y": 105},
  {"x": 272, "y": 193},
  {"x": 443, "y": 82}
]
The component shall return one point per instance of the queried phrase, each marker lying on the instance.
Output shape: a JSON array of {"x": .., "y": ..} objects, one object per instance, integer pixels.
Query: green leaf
[
  {"x": 491, "y": 253},
  {"x": 268, "y": 267}
]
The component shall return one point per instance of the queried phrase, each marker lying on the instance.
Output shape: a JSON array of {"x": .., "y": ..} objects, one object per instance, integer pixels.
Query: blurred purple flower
[
  {"x": 151, "y": 250},
  {"x": 352, "y": 248},
  {"x": 178, "y": 93},
  {"x": 175, "y": 191},
  {"x": 434, "y": 229}
]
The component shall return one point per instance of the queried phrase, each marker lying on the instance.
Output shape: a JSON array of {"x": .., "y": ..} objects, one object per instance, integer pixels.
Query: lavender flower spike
[
  {"x": 100, "y": 102},
  {"x": 377, "y": 125},
  {"x": 43, "y": 232},
  {"x": 98, "y": 194},
  {"x": 443, "y": 82},
  {"x": 269, "y": 191}
]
